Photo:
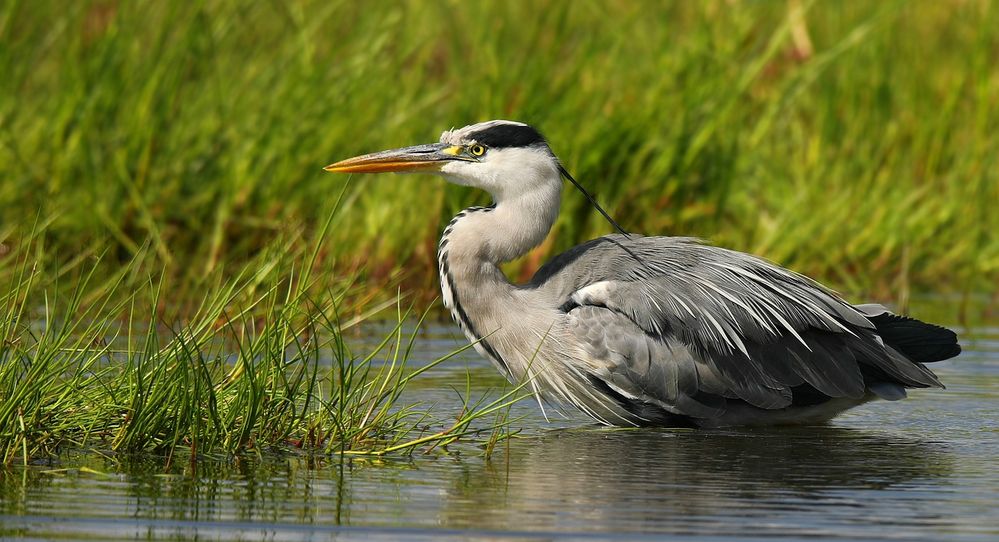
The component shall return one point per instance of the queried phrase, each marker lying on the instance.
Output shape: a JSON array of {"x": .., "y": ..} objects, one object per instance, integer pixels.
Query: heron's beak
[{"x": 408, "y": 159}]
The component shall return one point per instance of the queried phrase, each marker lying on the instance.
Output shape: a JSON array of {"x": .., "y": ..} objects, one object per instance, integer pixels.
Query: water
[{"x": 925, "y": 468}]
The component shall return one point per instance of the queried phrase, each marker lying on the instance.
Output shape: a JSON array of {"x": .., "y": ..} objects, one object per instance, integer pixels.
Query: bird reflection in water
[{"x": 687, "y": 481}]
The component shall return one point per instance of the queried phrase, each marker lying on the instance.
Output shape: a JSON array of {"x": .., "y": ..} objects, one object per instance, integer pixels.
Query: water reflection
[
  {"x": 663, "y": 481},
  {"x": 275, "y": 489},
  {"x": 793, "y": 482}
]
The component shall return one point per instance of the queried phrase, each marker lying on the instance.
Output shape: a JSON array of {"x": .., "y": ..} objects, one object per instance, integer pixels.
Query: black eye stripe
[{"x": 508, "y": 135}]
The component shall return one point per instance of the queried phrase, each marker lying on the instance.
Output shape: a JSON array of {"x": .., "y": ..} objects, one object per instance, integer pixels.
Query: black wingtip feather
[{"x": 917, "y": 340}]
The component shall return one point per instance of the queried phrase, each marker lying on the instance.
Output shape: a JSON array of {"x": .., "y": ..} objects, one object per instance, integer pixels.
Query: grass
[
  {"x": 853, "y": 141},
  {"x": 260, "y": 364},
  {"x": 219, "y": 385}
]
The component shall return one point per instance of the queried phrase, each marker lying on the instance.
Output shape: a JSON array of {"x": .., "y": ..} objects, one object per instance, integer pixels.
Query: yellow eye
[{"x": 476, "y": 150}]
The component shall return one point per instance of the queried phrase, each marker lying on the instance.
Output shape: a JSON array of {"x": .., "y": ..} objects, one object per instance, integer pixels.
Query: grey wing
[
  {"x": 655, "y": 377},
  {"x": 721, "y": 323}
]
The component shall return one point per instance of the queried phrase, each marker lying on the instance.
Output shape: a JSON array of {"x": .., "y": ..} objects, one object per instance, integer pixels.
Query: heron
[{"x": 649, "y": 331}]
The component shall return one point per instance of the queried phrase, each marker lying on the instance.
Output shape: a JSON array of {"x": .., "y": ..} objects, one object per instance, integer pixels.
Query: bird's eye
[{"x": 476, "y": 150}]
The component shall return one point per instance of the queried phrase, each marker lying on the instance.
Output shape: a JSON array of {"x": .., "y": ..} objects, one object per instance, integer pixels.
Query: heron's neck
[
  {"x": 474, "y": 288},
  {"x": 479, "y": 238}
]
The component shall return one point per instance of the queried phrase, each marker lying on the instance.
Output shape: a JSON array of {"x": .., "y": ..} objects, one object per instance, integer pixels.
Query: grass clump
[{"x": 261, "y": 362}]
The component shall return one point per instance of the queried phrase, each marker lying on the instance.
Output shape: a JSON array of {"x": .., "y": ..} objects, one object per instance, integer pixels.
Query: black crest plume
[{"x": 591, "y": 199}]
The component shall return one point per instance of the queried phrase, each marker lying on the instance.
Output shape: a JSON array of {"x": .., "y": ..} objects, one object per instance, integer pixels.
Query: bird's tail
[{"x": 916, "y": 340}]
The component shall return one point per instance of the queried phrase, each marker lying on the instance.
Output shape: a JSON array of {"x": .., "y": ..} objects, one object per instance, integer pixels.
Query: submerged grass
[{"x": 853, "y": 141}]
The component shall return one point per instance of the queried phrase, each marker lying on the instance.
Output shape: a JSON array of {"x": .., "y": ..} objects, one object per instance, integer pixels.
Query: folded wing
[{"x": 721, "y": 323}]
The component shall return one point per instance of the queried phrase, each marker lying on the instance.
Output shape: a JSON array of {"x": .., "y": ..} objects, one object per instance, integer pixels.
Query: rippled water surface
[{"x": 925, "y": 468}]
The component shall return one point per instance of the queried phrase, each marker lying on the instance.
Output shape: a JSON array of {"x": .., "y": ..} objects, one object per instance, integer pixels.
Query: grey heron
[{"x": 635, "y": 330}]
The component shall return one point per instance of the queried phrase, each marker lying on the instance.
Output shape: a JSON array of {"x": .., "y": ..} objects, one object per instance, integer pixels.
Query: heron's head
[{"x": 503, "y": 157}]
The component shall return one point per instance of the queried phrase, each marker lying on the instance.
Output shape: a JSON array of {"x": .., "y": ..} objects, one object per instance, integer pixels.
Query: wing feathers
[{"x": 714, "y": 321}]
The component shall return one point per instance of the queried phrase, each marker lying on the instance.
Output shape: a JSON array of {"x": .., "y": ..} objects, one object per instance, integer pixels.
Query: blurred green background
[{"x": 853, "y": 141}]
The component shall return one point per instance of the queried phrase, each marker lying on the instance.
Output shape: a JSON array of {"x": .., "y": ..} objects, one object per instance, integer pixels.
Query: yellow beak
[{"x": 408, "y": 159}]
